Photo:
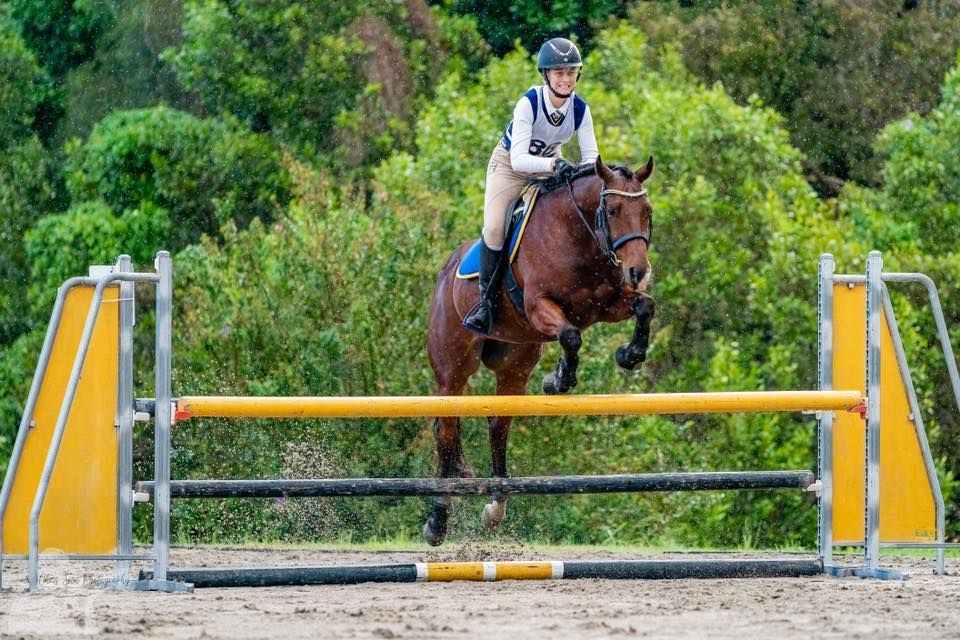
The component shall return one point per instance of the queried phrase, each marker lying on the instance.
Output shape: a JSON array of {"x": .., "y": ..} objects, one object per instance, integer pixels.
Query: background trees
[
  {"x": 823, "y": 65},
  {"x": 312, "y": 165}
]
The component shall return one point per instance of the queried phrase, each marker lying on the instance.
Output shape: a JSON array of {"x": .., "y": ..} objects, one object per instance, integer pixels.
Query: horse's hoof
[
  {"x": 492, "y": 515},
  {"x": 435, "y": 528},
  {"x": 431, "y": 537},
  {"x": 628, "y": 359},
  {"x": 550, "y": 385},
  {"x": 553, "y": 384}
]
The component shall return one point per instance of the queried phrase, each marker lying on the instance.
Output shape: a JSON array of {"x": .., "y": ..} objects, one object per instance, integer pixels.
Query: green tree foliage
[
  {"x": 823, "y": 65},
  {"x": 205, "y": 173},
  {"x": 62, "y": 245},
  {"x": 503, "y": 23},
  {"x": 127, "y": 67},
  {"x": 17, "y": 362},
  {"x": 921, "y": 178},
  {"x": 329, "y": 300},
  {"x": 23, "y": 87},
  {"x": 290, "y": 68},
  {"x": 26, "y": 185},
  {"x": 63, "y": 33},
  {"x": 26, "y": 193}
]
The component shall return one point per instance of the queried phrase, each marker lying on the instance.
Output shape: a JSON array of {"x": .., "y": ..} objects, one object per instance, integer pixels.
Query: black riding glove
[{"x": 564, "y": 169}]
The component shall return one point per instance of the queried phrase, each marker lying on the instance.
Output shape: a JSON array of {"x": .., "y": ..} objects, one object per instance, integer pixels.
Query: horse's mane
[{"x": 553, "y": 182}]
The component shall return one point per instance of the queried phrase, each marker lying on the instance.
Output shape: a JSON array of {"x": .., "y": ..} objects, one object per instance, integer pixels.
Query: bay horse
[{"x": 583, "y": 260}]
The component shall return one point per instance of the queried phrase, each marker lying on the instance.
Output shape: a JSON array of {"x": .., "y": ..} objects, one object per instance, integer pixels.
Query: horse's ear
[
  {"x": 644, "y": 173},
  {"x": 603, "y": 171}
]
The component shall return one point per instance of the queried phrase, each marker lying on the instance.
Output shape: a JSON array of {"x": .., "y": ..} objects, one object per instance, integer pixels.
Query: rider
[{"x": 544, "y": 118}]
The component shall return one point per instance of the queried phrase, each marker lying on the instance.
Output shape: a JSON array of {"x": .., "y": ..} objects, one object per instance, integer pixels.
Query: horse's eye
[{"x": 614, "y": 211}]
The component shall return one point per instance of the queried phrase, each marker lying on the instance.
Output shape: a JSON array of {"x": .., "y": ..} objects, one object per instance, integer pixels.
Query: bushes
[
  {"x": 204, "y": 172},
  {"x": 838, "y": 72},
  {"x": 27, "y": 187},
  {"x": 26, "y": 193},
  {"x": 328, "y": 300},
  {"x": 64, "y": 33},
  {"x": 922, "y": 174},
  {"x": 504, "y": 23},
  {"x": 290, "y": 68},
  {"x": 63, "y": 245}
]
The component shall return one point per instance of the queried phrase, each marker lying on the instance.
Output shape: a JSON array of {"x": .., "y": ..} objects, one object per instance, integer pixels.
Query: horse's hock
[{"x": 69, "y": 487}]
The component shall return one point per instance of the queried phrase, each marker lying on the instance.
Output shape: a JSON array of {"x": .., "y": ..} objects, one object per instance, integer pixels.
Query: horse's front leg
[
  {"x": 547, "y": 318},
  {"x": 635, "y": 352}
]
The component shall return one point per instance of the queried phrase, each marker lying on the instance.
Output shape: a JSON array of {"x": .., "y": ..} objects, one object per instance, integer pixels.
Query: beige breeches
[{"x": 502, "y": 187}]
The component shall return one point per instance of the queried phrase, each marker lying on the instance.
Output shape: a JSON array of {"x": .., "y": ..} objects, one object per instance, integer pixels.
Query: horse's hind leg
[
  {"x": 635, "y": 352},
  {"x": 451, "y": 464},
  {"x": 512, "y": 365},
  {"x": 453, "y": 360},
  {"x": 547, "y": 318}
]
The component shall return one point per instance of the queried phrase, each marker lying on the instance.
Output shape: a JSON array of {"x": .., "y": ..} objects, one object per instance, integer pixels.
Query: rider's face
[{"x": 563, "y": 80}]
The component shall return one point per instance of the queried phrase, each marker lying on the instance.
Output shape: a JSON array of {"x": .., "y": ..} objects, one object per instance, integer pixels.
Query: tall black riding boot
[{"x": 480, "y": 318}]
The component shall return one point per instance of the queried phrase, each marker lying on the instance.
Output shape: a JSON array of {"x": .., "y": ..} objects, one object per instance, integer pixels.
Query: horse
[{"x": 583, "y": 260}]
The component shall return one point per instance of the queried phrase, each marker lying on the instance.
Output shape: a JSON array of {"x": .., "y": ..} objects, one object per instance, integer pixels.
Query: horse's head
[{"x": 624, "y": 222}]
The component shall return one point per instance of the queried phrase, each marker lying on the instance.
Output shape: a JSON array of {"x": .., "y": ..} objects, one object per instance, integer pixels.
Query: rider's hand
[{"x": 564, "y": 169}]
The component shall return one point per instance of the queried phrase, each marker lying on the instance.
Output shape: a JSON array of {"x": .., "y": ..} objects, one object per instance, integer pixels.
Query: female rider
[{"x": 544, "y": 118}]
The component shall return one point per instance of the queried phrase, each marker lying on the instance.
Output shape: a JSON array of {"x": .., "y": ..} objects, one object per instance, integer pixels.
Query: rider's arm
[
  {"x": 588, "y": 141},
  {"x": 522, "y": 132}
]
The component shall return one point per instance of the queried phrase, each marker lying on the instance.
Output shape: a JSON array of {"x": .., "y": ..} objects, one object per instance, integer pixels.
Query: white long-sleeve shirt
[{"x": 538, "y": 129}]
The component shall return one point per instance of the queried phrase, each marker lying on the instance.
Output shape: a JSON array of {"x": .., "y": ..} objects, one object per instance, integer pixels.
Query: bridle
[{"x": 601, "y": 233}]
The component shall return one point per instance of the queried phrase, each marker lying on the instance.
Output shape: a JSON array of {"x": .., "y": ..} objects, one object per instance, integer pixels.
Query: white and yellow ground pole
[{"x": 495, "y": 571}]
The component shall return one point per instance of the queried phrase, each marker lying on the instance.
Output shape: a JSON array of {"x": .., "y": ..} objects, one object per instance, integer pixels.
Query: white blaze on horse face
[
  {"x": 647, "y": 276},
  {"x": 631, "y": 227},
  {"x": 628, "y": 270}
]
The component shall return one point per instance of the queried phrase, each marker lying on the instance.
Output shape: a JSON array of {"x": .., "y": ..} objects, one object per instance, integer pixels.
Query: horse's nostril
[{"x": 634, "y": 277}]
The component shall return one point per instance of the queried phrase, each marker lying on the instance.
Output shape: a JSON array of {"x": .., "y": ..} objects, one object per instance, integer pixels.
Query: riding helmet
[{"x": 558, "y": 53}]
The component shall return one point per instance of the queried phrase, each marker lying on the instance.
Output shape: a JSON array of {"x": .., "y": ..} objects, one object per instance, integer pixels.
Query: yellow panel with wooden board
[
  {"x": 907, "y": 509},
  {"x": 80, "y": 510}
]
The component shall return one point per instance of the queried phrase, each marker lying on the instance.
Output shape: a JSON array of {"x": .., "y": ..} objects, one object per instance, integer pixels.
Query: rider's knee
[{"x": 493, "y": 237}]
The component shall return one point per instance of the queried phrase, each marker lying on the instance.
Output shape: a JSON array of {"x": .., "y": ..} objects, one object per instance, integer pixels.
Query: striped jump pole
[
  {"x": 587, "y": 405},
  {"x": 542, "y": 485},
  {"x": 494, "y": 571}
]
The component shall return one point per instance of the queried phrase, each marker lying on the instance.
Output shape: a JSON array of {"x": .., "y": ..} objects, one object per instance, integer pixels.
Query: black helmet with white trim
[{"x": 558, "y": 53}]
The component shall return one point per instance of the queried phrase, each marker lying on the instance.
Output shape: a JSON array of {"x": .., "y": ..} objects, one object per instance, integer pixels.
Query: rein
[{"x": 601, "y": 234}]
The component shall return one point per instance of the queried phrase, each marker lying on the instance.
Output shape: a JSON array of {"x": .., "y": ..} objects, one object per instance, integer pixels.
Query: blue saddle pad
[{"x": 469, "y": 266}]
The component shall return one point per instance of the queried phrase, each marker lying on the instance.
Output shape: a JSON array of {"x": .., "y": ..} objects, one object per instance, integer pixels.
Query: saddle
[{"x": 519, "y": 213}]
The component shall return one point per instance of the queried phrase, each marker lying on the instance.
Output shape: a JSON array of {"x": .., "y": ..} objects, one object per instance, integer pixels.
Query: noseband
[{"x": 601, "y": 233}]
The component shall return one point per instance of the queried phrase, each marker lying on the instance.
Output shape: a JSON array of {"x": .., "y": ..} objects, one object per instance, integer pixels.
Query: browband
[{"x": 628, "y": 194}]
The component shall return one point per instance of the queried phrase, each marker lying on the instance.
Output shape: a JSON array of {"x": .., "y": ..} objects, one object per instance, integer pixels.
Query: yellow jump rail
[{"x": 439, "y": 406}]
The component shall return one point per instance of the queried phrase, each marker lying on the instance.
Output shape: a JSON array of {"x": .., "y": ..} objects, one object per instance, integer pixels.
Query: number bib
[{"x": 548, "y": 133}]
